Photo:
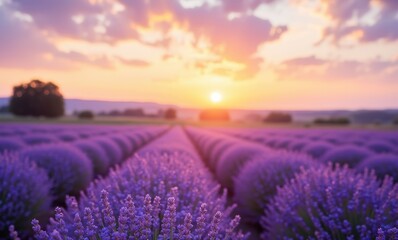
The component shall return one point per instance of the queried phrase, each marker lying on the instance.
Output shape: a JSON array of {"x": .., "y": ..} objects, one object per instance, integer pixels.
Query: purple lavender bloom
[
  {"x": 124, "y": 145},
  {"x": 317, "y": 149},
  {"x": 180, "y": 185},
  {"x": 381, "y": 147},
  {"x": 69, "y": 169},
  {"x": 350, "y": 155},
  {"x": 37, "y": 139},
  {"x": 234, "y": 159},
  {"x": 10, "y": 145},
  {"x": 112, "y": 150},
  {"x": 383, "y": 165},
  {"x": 329, "y": 203},
  {"x": 96, "y": 154},
  {"x": 259, "y": 180},
  {"x": 24, "y": 194},
  {"x": 68, "y": 136},
  {"x": 144, "y": 228}
]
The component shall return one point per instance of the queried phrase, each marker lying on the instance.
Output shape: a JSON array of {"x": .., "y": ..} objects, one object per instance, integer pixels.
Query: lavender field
[{"x": 184, "y": 182}]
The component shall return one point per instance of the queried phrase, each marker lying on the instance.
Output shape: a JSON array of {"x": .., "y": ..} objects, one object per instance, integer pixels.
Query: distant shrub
[
  {"x": 331, "y": 204},
  {"x": 383, "y": 165},
  {"x": 96, "y": 154},
  {"x": 333, "y": 121},
  {"x": 259, "y": 179},
  {"x": 170, "y": 113},
  {"x": 350, "y": 155},
  {"x": 87, "y": 114},
  {"x": 381, "y": 147},
  {"x": 69, "y": 169},
  {"x": 232, "y": 161},
  {"x": 214, "y": 115},
  {"x": 24, "y": 194},
  {"x": 278, "y": 117},
  {"x": 317, "y": 149},
  {"x": 10, "y": 145}
]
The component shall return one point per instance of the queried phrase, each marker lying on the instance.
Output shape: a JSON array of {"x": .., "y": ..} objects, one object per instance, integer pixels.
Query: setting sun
[{"x": 216, "y": 97}]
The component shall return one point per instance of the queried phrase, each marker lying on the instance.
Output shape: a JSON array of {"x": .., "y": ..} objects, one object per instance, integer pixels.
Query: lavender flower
[
  {"x": 69, "y": 170},
  {"x": 331, "y": 204},
  {"x": 38, "y": 139},
  {"x": 350, "y": 155},
  {"x": 317, "y": 149},
  {"x": 258, "y": 181},
  {"x": 24, "y": 194},
  {"x": 381, "y": 147},
  {"x": 77, "y": 229},
  {"x": 10, "y": 145},
  {"x": 96, "y": 154},
  {"x": 112, "y": 150},
  {"x": 232, "y": 161},
  {"x": 383, "y": 165}
]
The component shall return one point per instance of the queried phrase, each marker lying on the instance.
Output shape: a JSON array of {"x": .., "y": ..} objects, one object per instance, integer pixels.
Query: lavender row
[
  {"x": 265, "y": 185},
  {"x": 376, "y": 150},
  {"x": 164, "y": 192},
  {"x": 66, "y": 168}
]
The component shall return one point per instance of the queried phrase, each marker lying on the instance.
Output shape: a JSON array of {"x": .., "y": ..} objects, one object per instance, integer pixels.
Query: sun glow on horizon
[{"x": 216, "y": 97}]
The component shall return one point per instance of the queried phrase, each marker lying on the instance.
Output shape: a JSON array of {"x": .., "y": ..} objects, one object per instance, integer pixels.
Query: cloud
[
  {"x": 314, "y": 68},
  {"x": 355, "y": 17},
  {"x": 305, "y": 61},
  {"x": 134, "y": 62},
  {"x": 233, "y": 38},
  {"x": 22, "y": 46}
]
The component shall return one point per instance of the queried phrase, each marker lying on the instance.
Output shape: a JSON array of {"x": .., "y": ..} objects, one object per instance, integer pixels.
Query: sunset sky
[{"x": 258, "y": 54}]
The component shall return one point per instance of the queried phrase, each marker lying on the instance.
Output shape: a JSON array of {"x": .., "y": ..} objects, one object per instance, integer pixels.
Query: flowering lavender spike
[
  {"x": 91, "y": 228},
  {"x": 39, "y": 234},
  {"x": 107, "y": 211},
  {"x": 156, "y": 217},
  {"x": 232, "y": 226},
  {"x": 13, "y": 233},
  {"x": 214, "y": 227},
  {"x": 55, "y": 235},
  {"x": 147, "y": 218},
  {"x": 186, "y": 234},
  {"x": 201, "y": 222},
  {"x": 78, "y": 225},
  {"x": 380, "y": 234},
  {"x": 169, "y": 219}
]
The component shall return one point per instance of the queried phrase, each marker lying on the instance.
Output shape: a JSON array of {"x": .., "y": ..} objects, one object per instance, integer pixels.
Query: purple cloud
[
  {"x": 234, "y": 39},
  {"x": 314, "y": 68},
  {"x": 383, "y": 28},
  {"x": 23, "y": 46},
  {"x": 134, "y": 62}
]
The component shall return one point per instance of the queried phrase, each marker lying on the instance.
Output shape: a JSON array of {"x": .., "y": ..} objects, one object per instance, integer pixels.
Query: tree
[
  {"x": 86, "y": 114},
  {"x": 37, "y": 99},
  {"x": 332, "y": 121},
  {"x": 278, "y": 117},
  {"x": 170, "y": 113}
]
